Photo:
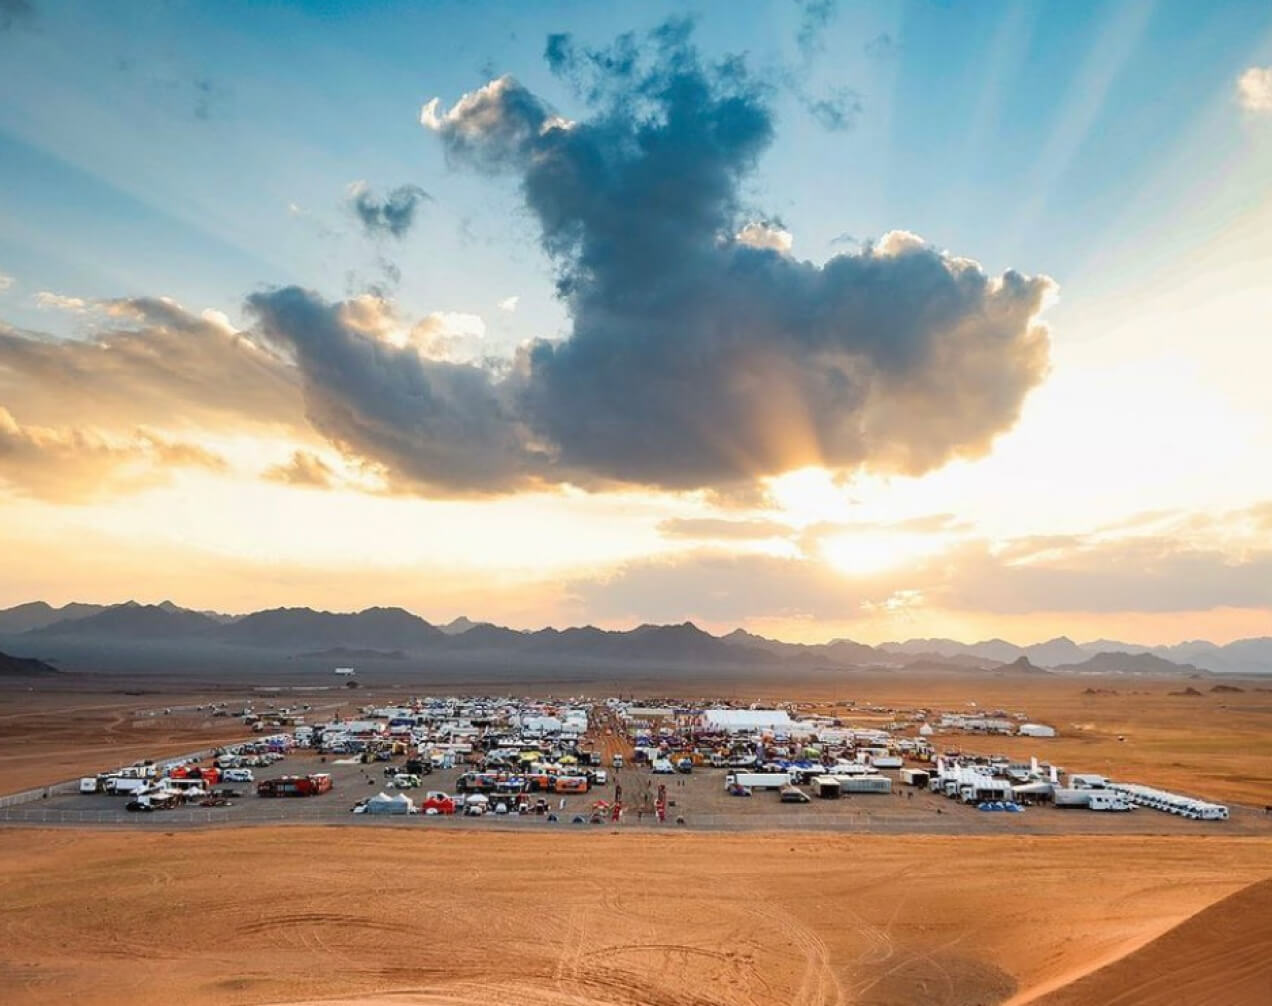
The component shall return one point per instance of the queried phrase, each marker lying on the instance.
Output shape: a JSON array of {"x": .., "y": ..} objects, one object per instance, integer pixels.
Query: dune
[{"x": 1222, "y": 955}]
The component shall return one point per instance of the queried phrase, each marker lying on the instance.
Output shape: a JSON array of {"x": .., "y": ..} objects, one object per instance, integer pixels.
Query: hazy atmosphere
[{"x": 795, "y": 317}]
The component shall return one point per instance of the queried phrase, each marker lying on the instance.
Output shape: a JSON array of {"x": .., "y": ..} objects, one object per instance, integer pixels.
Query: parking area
[{"x": 696, "y": 801}]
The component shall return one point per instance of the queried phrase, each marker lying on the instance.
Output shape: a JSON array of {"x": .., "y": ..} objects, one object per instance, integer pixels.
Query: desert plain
[{"x": 342, "y": 913}]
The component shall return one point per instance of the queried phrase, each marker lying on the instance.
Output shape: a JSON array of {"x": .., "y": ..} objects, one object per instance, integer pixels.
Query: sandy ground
[
  {"x": 418, "y": 915},
  {"x": 51, "y": 735},
  {"x": 256, "y": 915},
  {"x": 1221, "y": 955}
]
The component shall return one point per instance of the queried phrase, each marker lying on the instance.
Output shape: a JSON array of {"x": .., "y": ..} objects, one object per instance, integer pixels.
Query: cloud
[
  {"x": 882, "y": 46},
  {"x": 723, "y": 529},
  {"x": 436, "y": 426},
  {"x": 154, "y": 364},
  {"x": 6, "y": 282},
  {"x": 1254, "y": 89},
  {"x": 695, "y": 360},
  {"x": 836, "y": 111},
  {"x": 58, "y": 302},
  {"x": 16, "y": 14},
  {"x": 719, "y": 587},
  {"x": 449, "y": 335},
  {"x": 815, "y": 18},
  {"x": 394, "y": 215},
  {"x": 1146, "y": 573},
  {"x": 304, "y": 469},
  {"x": 1052, "y": 574},
  {"x": 766, "y": 235},
  {"x": 509, "y": 304},
  {"x": 71, "y": 465}
]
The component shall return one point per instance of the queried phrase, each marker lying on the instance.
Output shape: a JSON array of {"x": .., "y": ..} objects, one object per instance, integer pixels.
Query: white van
[
  {"x": 239, "y": 775},
  {"x": 88, "y": 784}
]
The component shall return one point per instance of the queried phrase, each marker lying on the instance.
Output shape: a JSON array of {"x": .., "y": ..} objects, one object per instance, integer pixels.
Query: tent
[{"x": 385, "y": 804}]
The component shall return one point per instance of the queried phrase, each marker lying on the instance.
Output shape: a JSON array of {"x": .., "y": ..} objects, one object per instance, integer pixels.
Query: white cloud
[
  {"x": 509, "y": 304},
  {"x": 1254, "y": 89},
  {"x": 59, "y": 302},
  {"x": 761, "y": 235},
  {"x": 5, "y": 282},
  {"x": 449, "y": 335}
]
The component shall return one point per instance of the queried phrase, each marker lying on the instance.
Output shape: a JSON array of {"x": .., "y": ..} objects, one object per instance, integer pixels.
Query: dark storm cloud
[
  {"x": 395, "y": 214},
  {"x": 696, "y": 360},
  {"x": 434, "y": 425}
]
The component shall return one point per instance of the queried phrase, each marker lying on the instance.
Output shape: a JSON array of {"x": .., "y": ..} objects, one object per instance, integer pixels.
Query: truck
[
  {"x": 294, "y": 785},
  {"x": 125, "y": 786},
  {"x": 616, "y": 761},
  {"x": 758, "y": 780},
  {"x": 437, "y": 802}
]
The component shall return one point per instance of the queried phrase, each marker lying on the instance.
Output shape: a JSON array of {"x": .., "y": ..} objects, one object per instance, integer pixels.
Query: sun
[{"x": 863, "y": 553}]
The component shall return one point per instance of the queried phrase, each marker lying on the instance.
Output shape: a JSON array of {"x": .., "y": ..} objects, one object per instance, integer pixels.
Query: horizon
[
  {"x": 823, "y": 320},
  {"x": 714, "y": 631}
]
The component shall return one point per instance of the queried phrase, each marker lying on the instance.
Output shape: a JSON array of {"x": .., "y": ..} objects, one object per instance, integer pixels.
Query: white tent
[
  {"x": 385, "y": 804},
  {"x": 740, "y": 720}
]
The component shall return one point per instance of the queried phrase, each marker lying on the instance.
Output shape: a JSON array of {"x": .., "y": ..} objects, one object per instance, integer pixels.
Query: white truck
[
  {"x": 125, "y": 786},
  {"x": 758, "y": 780}
]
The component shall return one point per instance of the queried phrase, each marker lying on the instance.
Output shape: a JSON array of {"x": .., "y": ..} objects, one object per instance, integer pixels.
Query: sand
[
  {"x": 269, "y": 915},
  {"x": 1221, "y": 955},
  {"x": 416, "y": 915}
]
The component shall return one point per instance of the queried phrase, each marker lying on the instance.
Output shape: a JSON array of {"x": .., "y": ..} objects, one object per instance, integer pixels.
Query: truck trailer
[{"x": 758, "y": 780}]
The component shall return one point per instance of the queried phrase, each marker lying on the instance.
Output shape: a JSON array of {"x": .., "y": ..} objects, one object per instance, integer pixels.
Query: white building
[{"x": 1036, "y": 730}]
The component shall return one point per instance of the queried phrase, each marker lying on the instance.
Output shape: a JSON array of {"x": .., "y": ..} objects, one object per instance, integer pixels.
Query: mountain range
[{"x": 305, "y": 631}]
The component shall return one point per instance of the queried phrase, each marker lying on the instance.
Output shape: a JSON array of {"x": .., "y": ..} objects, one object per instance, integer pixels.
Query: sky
[{"x": 824, "y": 319}]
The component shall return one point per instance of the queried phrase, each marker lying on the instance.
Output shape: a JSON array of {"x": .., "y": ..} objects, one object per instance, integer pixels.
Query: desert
[{"x": 901, "y": 900}]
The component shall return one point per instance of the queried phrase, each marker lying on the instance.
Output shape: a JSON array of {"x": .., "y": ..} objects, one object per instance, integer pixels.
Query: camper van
[{"x": 1102, "y": 800}]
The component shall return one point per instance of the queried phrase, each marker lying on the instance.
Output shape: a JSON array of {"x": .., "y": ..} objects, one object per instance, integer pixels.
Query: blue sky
[
  {"x": 1010, "y": 132},
  {"x": 205, "y": 151}
]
